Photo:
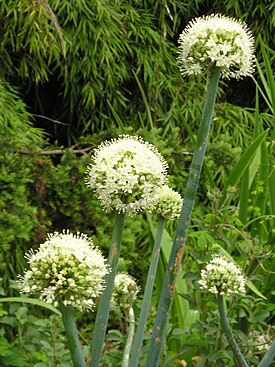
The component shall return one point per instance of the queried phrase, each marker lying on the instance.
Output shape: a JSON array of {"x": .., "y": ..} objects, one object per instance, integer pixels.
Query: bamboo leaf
[
  {"x": 117, "y": 118},
  {"x": 146, "y": 106}
]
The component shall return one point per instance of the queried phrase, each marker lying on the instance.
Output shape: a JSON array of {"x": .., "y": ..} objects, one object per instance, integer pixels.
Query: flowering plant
[
  {"x": 125, "y": 290},
  {"x": 219, "y": 40},
  {"x": 125, "y": 174},
  {"x": 129, "y": 175},
  {"x": 167, "y": 203},
  {"x": 222, "y": 276},
  {"x": 66, "y": 268}
]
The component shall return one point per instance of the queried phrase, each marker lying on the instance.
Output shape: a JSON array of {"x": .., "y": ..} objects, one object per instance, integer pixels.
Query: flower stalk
[
  {"x": 269, "y": 356},
  {"x": 104, "y": 303},
  {"x": 168, "y": 289},
  {"x": 147, "y": 295},
  {"x": 130, "y": 336},
  {"x": 72, "y": 336},
  {"x": 238, "y": 357}
]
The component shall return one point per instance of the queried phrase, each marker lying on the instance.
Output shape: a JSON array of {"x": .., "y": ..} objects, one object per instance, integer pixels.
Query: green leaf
[
  {"x": 117, "y": 118},
  {"x": 114, "y": 335},
  {"x": 242, "y": 165},
  {"x": 31, "y": 301},
  {"x": 254, "y": 289}
]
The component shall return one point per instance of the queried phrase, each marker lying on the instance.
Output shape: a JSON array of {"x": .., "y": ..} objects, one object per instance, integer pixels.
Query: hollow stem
[
  {"x": 130, "y": 337},
  {"x": 238, "y": 357},
  {"x": 269, "y": 356},
  {"x": 104, "y": 303},
  {"x": 168, "y": 289},
  {"x": 72, "y": 336},
  {"x": 147, "y": 295}
]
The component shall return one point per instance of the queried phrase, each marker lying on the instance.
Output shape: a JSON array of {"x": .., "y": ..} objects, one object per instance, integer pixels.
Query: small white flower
[
  {"x": 219, "y": 40},
  {"x": 125, "y": 290},
  {"x": 125, "y": 174},
  {"x": 71, "y": 270},
  {"x": 222, "y": 276},
  {"x": 167, "y": 203}
]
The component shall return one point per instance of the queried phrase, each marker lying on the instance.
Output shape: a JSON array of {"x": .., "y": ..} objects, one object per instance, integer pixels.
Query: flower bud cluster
[
  {"x": 222, "y": 276},
  {"x": 125, "y": 174},
  {"x": 125, "y": 290},
  {"x": 167, "y": 203},
  {"x": 217, "y": 40},
  {"x": 260, "y": 341},
  {"x": 66, "y": 268}
]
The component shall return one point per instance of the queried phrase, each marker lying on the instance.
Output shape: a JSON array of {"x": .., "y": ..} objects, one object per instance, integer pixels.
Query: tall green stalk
[
  {"x": 237, "y": 354},
  {"x": 168, "y": 289},
  {"x": 72, "y": 336},
  {"x": 269, "y": 356},
  {"x": 104, "y": 303},
  {"x": 147, "y": 296}
]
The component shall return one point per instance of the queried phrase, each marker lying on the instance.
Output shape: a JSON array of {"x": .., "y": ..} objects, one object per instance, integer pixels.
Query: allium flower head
[
  {"x": 125, "y": 290},
  {"x": 222, "y": 276},
  {"x": 125, "y": 174},
  {"x": 65, "y": 268},
  {"x": 219, "y": 40},
  {"x": 167, "y": 203}
]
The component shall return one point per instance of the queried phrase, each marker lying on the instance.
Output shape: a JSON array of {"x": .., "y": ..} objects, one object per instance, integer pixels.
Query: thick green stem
[
  {"x": 269, "y": 356},
  {"x": 130, "y": 337},
  {"x": 237, "y": 354},
  {"x": 168, "y": 289},
  {"x": 72, "y": 336},
  {"x": 104, "y": 303},
  {"x": 147, "y": 296}
]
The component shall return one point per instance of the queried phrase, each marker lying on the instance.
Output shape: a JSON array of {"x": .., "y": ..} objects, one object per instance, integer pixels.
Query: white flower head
[
  {"x": 167, "y": 203},
  {"x": 125, "y": 290},
  {"x": 217, "y": 40},
  {"x": 125, "y": 174},
  {"x": 65, "y": 268},
  {"x": 222, "y": 276}
]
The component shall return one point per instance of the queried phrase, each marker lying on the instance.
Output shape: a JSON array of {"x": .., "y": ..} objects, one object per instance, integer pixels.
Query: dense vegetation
[{"x": 74, "y": 73}]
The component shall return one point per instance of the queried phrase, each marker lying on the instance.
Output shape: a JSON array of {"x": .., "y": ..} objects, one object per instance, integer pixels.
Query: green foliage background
[{"x": 73, "y": 73}]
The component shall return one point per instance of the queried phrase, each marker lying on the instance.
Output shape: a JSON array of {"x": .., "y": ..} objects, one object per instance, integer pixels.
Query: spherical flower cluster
[
  {"x": 125, "y": 174},
  {"x": 125, "y": 290},
  {"x": 167, "y": 203},
  {"x": 66, "y": 268},
  {"x": 219, "y": 40},
  {"x": 222, "y": 276}
]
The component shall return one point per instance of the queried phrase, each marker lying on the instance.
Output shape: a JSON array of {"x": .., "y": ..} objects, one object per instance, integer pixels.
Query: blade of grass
[
  {"x": 32, "y": 301},
  {"x": 242, "y": 165},
  {"x": 270, "y": 86},
  {"x": 244, "y": 191}
]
